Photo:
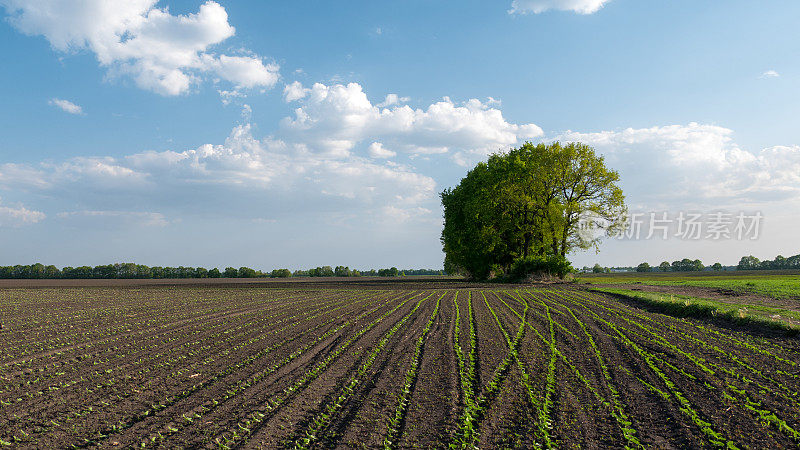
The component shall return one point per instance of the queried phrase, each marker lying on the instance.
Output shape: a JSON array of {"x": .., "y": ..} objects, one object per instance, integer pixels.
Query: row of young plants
[
  {"x": 209, "y": 406},
  {"x": 613, "y": 403},
  {"x": 467, "y": 370},
  {"x": 218, "y": 374},
  {"x": 542, "y": 406},
  {"x": 697, "y": 335},
  {"x": 395, "y": 425},
  {"x": 467, "y": 435},
  {"x": 96, "y": 371},
  {"x": 784, "y": 392},
  {"x": 255, "y": 419},
  {"x": 328, "y": 413},
  {"x": 613, "y": 406},
  {"x": 713, "y": 435},
  {"x": 112, "y": 356},
  {"x": 224, "y": 340},
  {"x": 99, "y": 337},
  {"x": 121, "y": 313},
  {"x": 737, "y": 396},
  {"x": 66, "y": 330}
]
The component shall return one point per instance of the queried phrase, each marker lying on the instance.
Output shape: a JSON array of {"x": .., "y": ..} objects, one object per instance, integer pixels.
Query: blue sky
[{"x": 306, "y": 133}]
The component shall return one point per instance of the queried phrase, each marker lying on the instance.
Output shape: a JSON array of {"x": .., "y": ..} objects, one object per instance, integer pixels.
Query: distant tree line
[
  {"x": 746, "y": 263},
  {"x": 684, "y": 265},
  {"x": 140, "y": 271},
  {"x": 753, "y": 263}
]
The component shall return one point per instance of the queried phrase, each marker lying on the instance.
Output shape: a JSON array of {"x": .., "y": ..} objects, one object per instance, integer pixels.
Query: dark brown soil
[{"x": 258, "y": 365}]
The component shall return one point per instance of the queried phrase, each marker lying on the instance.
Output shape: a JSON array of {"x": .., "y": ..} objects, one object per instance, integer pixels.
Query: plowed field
[{"x": 348, "y": 366}]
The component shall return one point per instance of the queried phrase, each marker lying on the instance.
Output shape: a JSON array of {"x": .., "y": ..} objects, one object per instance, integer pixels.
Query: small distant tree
[
  {"x": 280, "y": 273},
  {"x": 717, "y": 266},
  {"x": 597, "y": 268},
  {"x": 214, "y": 273},
  {"x": 246, "y": 272},
  {"x": 664, "y": 266},
  {"x": 643, "y": 267},
  {"x": 231, "y": 272},
  {"x": 342, "y": 271},
  {"x": 201, "y": 272},
  {"x": 748, "y": 263},
  {"x": 324, "y": 271},
  {"x": 392, "y": 272}
]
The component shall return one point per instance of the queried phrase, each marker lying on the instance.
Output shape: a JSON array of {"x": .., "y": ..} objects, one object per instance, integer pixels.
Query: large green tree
[{"x": 529, "y": 202}]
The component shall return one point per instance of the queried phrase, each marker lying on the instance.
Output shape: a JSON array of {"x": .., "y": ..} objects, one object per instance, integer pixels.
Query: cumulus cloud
[
  {"x": 695, "y": 163},
  {"x": 770, "y": 74},
  {"x": 392, "y": 99},
  {"x": 17, "y": 216},
  {"x": 163, "y": 53},
  {"x": 334, "y": 119},
  {"x": 376, "y": 150},
  {"x": 244, "y": 175},
  {"x": 294, "y": 91},
  {"x": 66, "y": 106},
  {"x": 540, "y": 6}
]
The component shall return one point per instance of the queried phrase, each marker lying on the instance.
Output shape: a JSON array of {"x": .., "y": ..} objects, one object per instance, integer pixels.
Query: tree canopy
[{"x": 527, "y": 203}]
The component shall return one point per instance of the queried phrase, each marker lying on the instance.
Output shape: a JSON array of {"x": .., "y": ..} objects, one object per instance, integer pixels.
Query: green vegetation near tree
[
  {"x": 525, "y": 207},
  {"x": 685, "y": 306}
]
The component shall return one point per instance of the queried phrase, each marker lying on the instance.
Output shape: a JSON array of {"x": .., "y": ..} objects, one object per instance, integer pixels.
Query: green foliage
[
  {"x": 530, "y": 201},
  {"x": 392, "y": 272},
  {"x": 324, "y": 271},
  {"x": 280, "y": 273},
  {"x": 555, "y": 265},
  {"x": 598, "y": 268},
  {"x": 231, "y": 272},
  {"x": 342, "y": 271},
  {"x": 748, "y": 263},
  {"x": 687, "y": 265},
  {"x": 664, "y": 266},
  {"x": 246, "y": 272},
  {"x": 643, "y": 267},
  {"x": 685, "y": 306}
]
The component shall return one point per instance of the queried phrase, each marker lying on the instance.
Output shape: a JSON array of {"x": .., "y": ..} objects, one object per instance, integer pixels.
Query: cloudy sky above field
[{"x": 299, "y": 134}]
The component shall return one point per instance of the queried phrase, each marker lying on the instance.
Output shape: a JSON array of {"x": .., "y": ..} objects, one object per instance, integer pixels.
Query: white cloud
[
  {"x": 392, "y": 99},
  {"x": 244, "y": 175},
  {"x": 164, "y": 53},
  {"x": 540, "y": 6},
  {"x": 695, "y": 164},
  {"x": 246, "y": 71},
  {"x": 334, "y": 119},
  {"x": 294, "y": 91},
  {"x": 770, "y": 74},
  {"x": 376, "y": 150},
  {"x": 66, "y": 106},
  {"x": 17, "y": 216}
]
